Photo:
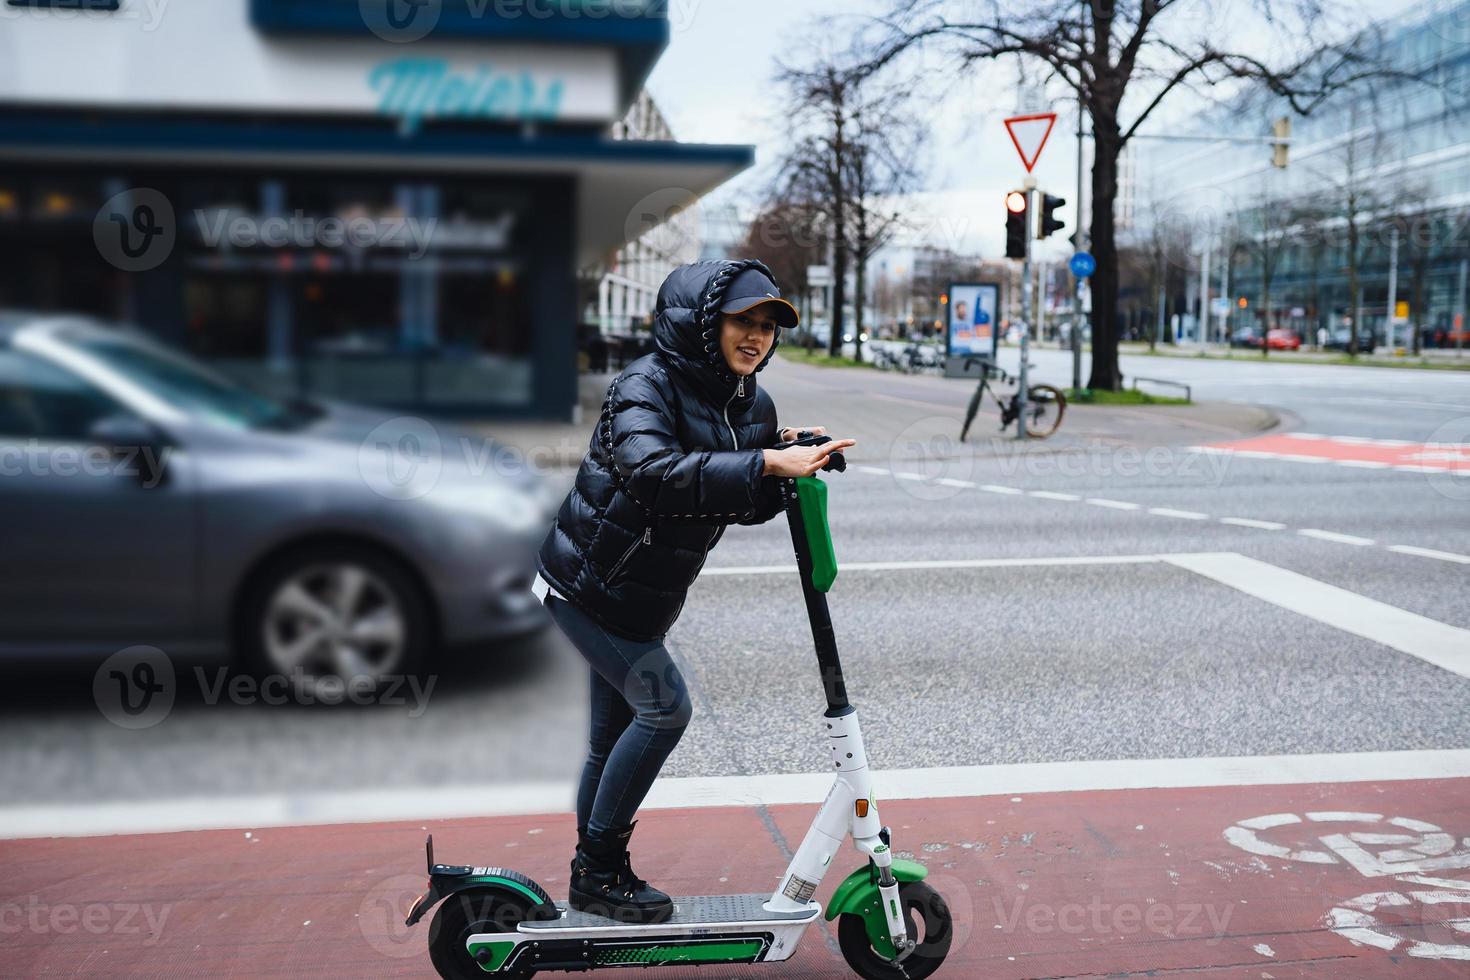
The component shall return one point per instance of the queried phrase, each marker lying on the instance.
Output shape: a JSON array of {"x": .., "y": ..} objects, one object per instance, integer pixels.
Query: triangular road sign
[{"x": 1029, "y": 133}]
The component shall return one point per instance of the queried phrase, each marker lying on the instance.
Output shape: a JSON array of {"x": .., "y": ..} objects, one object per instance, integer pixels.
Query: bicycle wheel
[
  {"x": 1045, "y": 407},
  {"x": 970, "y": 412}
]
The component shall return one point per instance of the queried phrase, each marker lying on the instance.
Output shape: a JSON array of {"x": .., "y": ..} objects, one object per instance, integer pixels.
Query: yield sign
[{"x": 1029, "y": 133}]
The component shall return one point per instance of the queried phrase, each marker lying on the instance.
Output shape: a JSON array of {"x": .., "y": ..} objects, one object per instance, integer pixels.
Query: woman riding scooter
[{"x": 686, "y": 445}]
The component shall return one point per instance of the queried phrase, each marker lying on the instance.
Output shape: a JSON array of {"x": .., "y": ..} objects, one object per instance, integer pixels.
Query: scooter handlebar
[{"x": 835, "y": 460}]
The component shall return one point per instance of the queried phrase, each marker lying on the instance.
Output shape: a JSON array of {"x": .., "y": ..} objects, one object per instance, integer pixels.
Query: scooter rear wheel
[
  {"x": 929, "y": 925},
  {"x": 467, "y": 913}
]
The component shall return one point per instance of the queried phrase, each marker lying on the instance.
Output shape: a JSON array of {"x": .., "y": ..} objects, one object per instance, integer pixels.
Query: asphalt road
[{"x": 1111, "y": 653}]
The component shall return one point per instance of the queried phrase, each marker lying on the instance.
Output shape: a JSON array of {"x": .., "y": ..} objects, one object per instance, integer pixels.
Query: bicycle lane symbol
[{"x": 1430, "y": 921}]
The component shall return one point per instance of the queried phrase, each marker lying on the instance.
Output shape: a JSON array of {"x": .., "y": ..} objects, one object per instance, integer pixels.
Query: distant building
[
  {"x": 1400, "y": 151},
  {"x": 668, "y": 224},
  {"x": 285, "y": 189}
]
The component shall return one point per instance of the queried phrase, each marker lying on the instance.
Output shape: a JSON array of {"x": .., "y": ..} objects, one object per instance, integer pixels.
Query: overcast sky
[{"x": 714, "y": 83}]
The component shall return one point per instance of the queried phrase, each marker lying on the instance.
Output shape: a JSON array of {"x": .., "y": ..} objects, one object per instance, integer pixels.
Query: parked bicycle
[{"x": 1045, "y": 404}]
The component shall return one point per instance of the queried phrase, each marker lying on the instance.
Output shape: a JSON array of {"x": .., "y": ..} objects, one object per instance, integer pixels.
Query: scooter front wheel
[
  {"x": 465, "y": 914},
  {"x": 929, "y": 926}
]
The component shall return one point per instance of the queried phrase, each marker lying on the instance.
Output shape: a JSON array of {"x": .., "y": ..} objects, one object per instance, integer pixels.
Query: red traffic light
[{"x": 1016, "y": 202}]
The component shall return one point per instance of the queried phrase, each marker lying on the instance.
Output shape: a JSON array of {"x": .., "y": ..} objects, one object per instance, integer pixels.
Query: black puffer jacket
[{"x": 676, "y": 456}]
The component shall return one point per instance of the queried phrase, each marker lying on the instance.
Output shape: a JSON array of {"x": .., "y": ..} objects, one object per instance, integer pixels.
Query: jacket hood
[{"x": 686, "y": 319}]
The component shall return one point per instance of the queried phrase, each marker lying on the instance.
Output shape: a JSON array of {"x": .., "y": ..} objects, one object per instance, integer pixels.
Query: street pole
[
  {"x": 1460, "y": 302},
  {"x": 1077, "y": 321},
  {"x": 1225, "y": 295},
  {"x": 1026, "y": 305},
  {"x": 1393, "y": 286},
  {"x": 1204, "y": 291}
]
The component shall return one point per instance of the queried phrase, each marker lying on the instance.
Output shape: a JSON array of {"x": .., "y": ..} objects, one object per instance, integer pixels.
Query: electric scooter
[{"x": 890, "y": 923}]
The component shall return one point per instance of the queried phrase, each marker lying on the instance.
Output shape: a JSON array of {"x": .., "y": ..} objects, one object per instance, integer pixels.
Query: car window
[{"x": 39, "y": 400}]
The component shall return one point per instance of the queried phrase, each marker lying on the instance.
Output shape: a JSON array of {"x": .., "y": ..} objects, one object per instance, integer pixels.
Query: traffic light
[
  {"x": 1016, "y": 214},
  {"x": 1049, "y": 223},
  {"x": 1281, "y": 129}
]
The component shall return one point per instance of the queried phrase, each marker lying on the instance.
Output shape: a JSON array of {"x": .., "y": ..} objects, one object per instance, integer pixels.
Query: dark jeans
[{"x": 640, "y": 708}]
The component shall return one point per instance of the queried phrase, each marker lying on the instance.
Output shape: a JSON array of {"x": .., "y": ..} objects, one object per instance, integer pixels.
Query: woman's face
[{"x": 746, "y": 338}]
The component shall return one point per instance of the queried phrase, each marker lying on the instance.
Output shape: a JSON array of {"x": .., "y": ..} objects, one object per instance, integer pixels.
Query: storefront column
[{"x": 278, "y": 301}]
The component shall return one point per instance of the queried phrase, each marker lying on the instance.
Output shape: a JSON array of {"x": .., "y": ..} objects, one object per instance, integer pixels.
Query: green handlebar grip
[{"x": 811, "y": 495}]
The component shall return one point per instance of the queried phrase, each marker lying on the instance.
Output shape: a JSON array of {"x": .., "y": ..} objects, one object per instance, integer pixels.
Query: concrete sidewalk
[
  {"x": 898, "y": 416},
  {"x": 1351, "y": 879}
]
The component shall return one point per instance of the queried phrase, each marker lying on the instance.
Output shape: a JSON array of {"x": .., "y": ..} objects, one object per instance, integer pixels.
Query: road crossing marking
[
  {"x": 1440, "y": 644},
  {"x": 1320, "y": 534},
  {"x": 1340, "y": 538}
]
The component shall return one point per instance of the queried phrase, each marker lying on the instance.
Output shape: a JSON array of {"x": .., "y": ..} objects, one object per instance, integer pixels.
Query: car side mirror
[{"x": 140, "y": 449}]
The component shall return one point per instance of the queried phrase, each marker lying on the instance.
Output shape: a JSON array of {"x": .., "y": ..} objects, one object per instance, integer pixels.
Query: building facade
[
  {"x": 323, "y": 199},
  {"x": 1376, "y": 189}
]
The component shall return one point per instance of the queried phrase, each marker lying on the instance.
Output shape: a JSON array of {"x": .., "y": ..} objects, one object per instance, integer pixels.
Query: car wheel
[{"x": 324, "y": 617}]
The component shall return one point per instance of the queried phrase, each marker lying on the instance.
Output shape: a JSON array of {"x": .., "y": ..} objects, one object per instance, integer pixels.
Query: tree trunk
[
  {"x": 1352, "y": 230},
  {"x": 1107, "y": 143},
  {"x": 860, "y": 276}
]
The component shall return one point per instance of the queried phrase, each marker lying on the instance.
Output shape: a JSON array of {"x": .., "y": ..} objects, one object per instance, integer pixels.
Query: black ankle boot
[{"x": 603, "y": 882}]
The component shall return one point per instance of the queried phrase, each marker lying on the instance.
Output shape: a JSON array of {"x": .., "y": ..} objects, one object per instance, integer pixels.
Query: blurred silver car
[{"x": 148, "y": 501}]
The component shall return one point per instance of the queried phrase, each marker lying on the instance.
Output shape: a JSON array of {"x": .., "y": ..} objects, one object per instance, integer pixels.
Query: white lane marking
[
  {"x": 1305, "y": 435},
  {"x": 1409, "y": 549},
  {"x": 994, "y": 488},
  {"x": 1249, "y": 522},
  {"x": 1364, "y": 464},
  {"x": 1433, "y": 642},
  {"x": 901, "y": 566},
  {"x": 1263, "y": 949},
  {"x": 1185, "y": 515},
  {"x": 875, "y": 470},
  {"x": 910, "y": 476},
  {"x": 97, "y": 818},
  {"x": 946, "y": 481},
  {"x": 1340, "y": 538},
  {"x": 1054, "y": 495},
  {"x": 1114, "y": 504},
  {"x": 1296, "y": 458}
]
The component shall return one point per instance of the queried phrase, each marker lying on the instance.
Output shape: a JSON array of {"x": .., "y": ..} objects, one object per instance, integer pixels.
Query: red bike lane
[{"x": 1356, "y": 879}]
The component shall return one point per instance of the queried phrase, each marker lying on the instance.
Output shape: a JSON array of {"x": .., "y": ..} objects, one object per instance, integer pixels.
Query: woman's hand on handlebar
[{"x": 802, "y": 460}]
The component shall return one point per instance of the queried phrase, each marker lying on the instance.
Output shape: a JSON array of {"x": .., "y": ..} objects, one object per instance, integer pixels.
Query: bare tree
[
  {"x": 1107, "y": 50},
  {"x": 883, "y": 163},
  {"x": 855, "y": 147}
]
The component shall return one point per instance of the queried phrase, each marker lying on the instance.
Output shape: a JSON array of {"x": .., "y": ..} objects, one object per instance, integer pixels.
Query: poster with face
[{"x": 972, "y": 319}]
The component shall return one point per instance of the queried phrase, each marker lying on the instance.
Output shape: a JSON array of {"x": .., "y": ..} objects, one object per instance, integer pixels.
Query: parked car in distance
[
  {"x": 1340, "y": 339},
  {"x": 168, "y": 506},
  {"x": 1282, "y": 340},
  {"x": 1245, "y": 337}
]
